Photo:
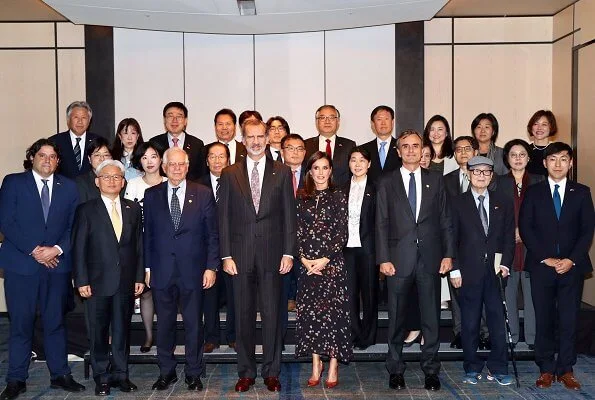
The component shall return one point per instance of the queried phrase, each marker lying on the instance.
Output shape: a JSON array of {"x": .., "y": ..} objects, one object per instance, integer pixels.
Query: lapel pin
[
  {"x": 368, "y": 194},
  {"x": 571, "y": 190},
  {"x": 428, "y": 186},
  {"x": 495, "y": 207},
  {"x": 58, "y": 183},
  {"x": 190, "y": 201}
]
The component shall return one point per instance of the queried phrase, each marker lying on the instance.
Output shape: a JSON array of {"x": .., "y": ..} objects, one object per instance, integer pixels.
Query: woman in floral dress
[{"x": 323, "y": 326}]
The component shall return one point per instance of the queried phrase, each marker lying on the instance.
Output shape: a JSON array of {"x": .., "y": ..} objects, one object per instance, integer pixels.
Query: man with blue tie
[
  {"x": 556, "y": 224},
  {"x": 181, "y": 243},
  {"x": 36, "y": 213}
]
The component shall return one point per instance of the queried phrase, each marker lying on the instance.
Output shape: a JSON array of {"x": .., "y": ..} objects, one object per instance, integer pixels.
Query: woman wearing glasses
[{"x": 484, "y": 128}]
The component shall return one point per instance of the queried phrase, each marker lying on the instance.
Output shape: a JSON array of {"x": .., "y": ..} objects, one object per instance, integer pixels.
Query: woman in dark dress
[
  {"x": 541, "y": 127},
  {"x": 323, "y": 324}
]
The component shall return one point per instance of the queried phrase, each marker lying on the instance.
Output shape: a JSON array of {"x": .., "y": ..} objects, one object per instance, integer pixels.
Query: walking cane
[{"x": 508, "y": 332}]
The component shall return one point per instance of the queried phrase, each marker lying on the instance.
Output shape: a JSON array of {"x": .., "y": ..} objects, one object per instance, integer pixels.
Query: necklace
[{"x": 539, "y": 147}]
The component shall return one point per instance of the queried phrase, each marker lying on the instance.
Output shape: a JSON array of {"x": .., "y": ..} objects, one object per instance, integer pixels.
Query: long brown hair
[{"x": 309, "y": 189}]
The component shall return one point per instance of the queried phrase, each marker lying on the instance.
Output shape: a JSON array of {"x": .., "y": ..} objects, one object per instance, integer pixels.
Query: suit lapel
[
  {"x": 391, "y": 155},
  {"x": 366, "y": 201},
  {"x": 244, "y": 183},
  {"x": 569, "y": 193},
  {"x": 402, "y": 193},
  {"x": 107, "y": 222},
  {"x": 165, "y": 203},
  {"x": 338, "y": 148},
  {"x": 493, "y": 214},
  {"x": 189, "y": 204},
  {"x": 267, "y": 184},
  {"x": 34, "y": 193},
  {"x": 426, "y": 190},
  {"x": 468, "y": 197}
]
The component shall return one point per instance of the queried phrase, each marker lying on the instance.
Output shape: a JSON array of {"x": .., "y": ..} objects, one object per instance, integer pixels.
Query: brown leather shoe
[
  {"x": 209, "y": 347},
  {"x": 545, "y": 380},
  {"x": 244, "y": 384},
  {"x": 232, "y": 345},
  {"x": 291, "y": 305},
  {"x": 569, "y": 381},
  {"x": 273, "y": 384}
]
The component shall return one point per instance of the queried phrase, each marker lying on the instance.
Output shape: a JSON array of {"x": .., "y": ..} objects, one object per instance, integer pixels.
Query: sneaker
[
  {"x": 502, "y": 379},
  {"x": 472, "y": 378}
]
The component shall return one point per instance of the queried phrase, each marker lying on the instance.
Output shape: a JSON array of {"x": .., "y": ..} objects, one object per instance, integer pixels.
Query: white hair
[
  {"x": 78, "y": 104},
  {"x": 108, "y": 163},
  {"x": 174, "y": 150}
]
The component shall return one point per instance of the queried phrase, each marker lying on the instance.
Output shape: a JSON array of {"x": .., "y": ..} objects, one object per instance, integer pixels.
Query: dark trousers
[
  {"x": 289, "y": 292},
  {"x": 222, "y": 288},
  {"x": 101, "y": 313},
  {"x": 362, "y": 280},
  {"x": 166, "y": 307},
  {"x": 247, "y": 287},
  {"x": 47, "y": 291},
  {"x": 456, "y": 314},
  {"x": 472, "y": 299},
  {"x": 556, "y": 299},
  {"x": 428, "y": 285}
]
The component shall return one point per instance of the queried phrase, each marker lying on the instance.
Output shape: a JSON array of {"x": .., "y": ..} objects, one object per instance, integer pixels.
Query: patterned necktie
[
  {"x": 217, "y": 191},
  {"x": 77, "y": 153},
  {"x": 483, "y": 215},
  {"x": 255, "y": 187},
  {"x": 328, "y": 149},
  {"x": 412, "y": 195},
  {"x": 175, "y": 210},
  {"x": 464, "y": 183},
  {"x": 116, "y": 222},
  {"x": 557, "y": 201},
  {"x": 382, "y": 154},
  {"x": 45, "y": 199},
  {"x": 294, "y": 181},
  {"x": 175, "y": 140}
]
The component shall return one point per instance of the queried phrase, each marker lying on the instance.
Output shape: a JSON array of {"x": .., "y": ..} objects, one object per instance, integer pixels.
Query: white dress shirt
[
  {"x": 259, "y": 168},
  {"x": 39, "y": 183},
  {"x": 214, "y": 181},
  {"x": 417, "y": 173},
  {"x": 274, "y": 153},
  {"x": 486, "y": 201},
  {"x": 356, "y": 198},
  {"x": 386, "y": 146},
  {"x": 561, "y": 189},
  {"x": 108, "y": 205},
  {"x": 181, "y": 193},
  {"x": 463, "y": 180},
  {"x": 322, "y": 144},
  {"x": 232, "y": 146},
  {"x": 181, "y": 139},
  {"x": 83, "y": 137}
]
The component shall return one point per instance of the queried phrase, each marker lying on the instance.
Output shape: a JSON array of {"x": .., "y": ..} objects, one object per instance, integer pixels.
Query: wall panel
[
  {"x": 27, "y": 35},
  {"x": 71, "y": 81},
  {"x": 519, "y": 29},
  {"x": 438, "y": 82},
  {"x": 70, "y": 35},
  {"x": 562, "y": 87}
]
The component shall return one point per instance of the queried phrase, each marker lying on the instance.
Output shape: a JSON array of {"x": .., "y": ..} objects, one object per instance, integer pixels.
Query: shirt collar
[
  {"x": 38, "y": 178},
  {"x": 476, "y": 195},
  {"x": 562, "y": 183},
  {"x": 182, "y": 185}
]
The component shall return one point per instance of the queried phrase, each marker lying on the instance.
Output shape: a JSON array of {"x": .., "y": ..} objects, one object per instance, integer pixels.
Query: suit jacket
[
  {"x": 192, "y": 247},
  {"x": 399, "y": 239},
  {"x": 343, "y": 145},
  {"x": 545, "y": 236},
  {"x": 471, "y": 242},
  {"x": 23, "y": 225},
  {"x": 506, "y": 185},
  {"x": 367, "y": 222},
  {"x": 98, "y": 258},
  {"x": 195, "y": 149},
  {"x": 87, "y": 188},
  {"x": 393, "y": 161},
  {"x": 67, "y": 165},
  {"x": 268, "y": 234},
  {"x": 453, "y": 185}
]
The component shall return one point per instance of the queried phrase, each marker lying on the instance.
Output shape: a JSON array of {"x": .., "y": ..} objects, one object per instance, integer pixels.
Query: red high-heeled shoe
[
  {"x": 315, "y": 382},
  {"x": 329, "y": 384}
]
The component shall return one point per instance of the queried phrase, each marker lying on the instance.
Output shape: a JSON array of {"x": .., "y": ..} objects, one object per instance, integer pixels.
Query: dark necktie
[
  {"x": 464, "y": 183},
  {"x": 557, "y": 201},
  {"x": 77, "y": 152},
  {"x": 382, "y": 154},
  {"x": 255, "y": 187},
  {"x": 328, "y": 149},
  {"x": 412, "y": 196},
  {"x": 278, "y": 155},
  {"x": 45, "y": 199},
  {"x": 217, "y": 191},
  {"x": 176, "y": 211},
  {"x": 483, "y": 215}
]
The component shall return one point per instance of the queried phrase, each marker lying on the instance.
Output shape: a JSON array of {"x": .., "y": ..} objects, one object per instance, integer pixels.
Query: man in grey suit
[
  {"x": 257, "y": 234},
  {"x": 414, "y": 245}
]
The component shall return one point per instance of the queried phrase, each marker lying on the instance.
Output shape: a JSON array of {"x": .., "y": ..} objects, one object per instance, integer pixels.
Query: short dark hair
[
  {"x": 557, "y": 147},
  {"x": 309, "y": 185},
  {"x": 551, "y": 118},
  {"x": 225, "y": 111},
  {"x": 376, "y": 110},
  {"x": 327, "y": 106},
  {"x": 470, "y": 139},
  {"x": 175, "y": 104},
  {"x": 117, "y": 149},
  {"x": 247, "y": 114},
  {"x": 140, "y": 151},
  {"x": 96, "y": 144},
  {"x": 280, "y": 119},
  {"x": 290, "y": 136},
  {"x": 34, "y": 149},
  {"x": 509, "y": 145},
  {"x": 447, "y": 147},
  {"x": 407, "y": 133},
  {"x": 490, "y": 117},
  {"x": 211, "y": 145},
  {"x": 359, "y": 149}
]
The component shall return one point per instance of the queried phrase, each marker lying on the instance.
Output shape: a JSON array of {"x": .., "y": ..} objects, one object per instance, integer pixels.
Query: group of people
[{"x": 276, "y": 218}]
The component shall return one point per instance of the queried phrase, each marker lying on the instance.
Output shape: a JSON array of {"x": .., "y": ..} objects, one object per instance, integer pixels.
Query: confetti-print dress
[{"x": 323, "y": 325}]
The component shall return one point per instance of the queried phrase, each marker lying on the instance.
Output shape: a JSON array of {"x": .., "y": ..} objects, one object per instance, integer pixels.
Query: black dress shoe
[
  {"x": 193, "y": 383},
  {"x": 163, "y": 382},
  {"x": 362, "y": 346},
  {"x": 484, "y": 344},
  {"x": 102, "y": 389},
  {"x": 531, "y": 347},
  {"x": 67, "y": 383},
  {"x": 456, "y": 342},
  {"x": 124, "y": 385},
  {"x": 13, "y": 389},
  {"x": 396, "y": 381},
  {"x": 145, "y": 349},
  {"x": 432, "y": 382}
]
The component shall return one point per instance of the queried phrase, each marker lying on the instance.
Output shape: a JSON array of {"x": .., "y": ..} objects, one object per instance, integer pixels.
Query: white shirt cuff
[{"x": 455, "y": 273}]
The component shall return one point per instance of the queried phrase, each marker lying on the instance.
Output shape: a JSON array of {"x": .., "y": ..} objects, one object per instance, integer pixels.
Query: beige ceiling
[
  {"x": 502, "y": 8},
  {"x": 28, "y": 10}
]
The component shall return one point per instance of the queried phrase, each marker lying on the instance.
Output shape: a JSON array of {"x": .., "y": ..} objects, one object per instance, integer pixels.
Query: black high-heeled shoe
[
  {"x": 416, "y": 340},
  {"x": 146, "y": 349}
]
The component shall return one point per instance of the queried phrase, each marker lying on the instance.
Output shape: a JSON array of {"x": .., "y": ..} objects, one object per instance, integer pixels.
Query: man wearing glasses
[
  {"x": 277, "y": 128},
  {"x": 327, "y": 123}
]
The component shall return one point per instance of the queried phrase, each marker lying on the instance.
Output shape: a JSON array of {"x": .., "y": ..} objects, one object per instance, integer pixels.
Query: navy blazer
[
  {"x": 67, "y": 165},
  {"x": 194, "y": 147},
  {"x": 471, "y": 242},
  {"x": 192, "y": 248},
  {"x": 547, "y": 237},
  {"x": 392, "y": 162},
  {"x": 23, "y": 225}
]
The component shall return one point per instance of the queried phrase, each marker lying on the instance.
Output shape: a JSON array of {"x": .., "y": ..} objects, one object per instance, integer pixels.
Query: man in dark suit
[
  {"x": 258, "y": 238},
  {"x": 217, "y": 159},
  {"x": 383, "y": 149},
  {"x": 107, "y": 257},
  {"x": 181, "y": 243},
  {"x": 278, "y": 128},
  {"x": 327, "y": 123},
  {"x": 98, "y": 152},
  {"x": 414, "y": 245},
  {"x": 225, "y": 131},
  {"x": 36, "y": 212},
  {"x": 74, "y": 142},
  {"x": 556, "y": 225},
  {"x": 175, "y": 120},
  {"x": 483, "y": 224}
]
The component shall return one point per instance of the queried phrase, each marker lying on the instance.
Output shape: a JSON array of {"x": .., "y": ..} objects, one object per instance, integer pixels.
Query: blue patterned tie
[
  {"x": 412, "y": 196},
  {"x": 45, "y": 199},
  {"x": 557, "y": 201},
  {"x": 176, "y": 211},
  {"x": 382, "y": 154}
]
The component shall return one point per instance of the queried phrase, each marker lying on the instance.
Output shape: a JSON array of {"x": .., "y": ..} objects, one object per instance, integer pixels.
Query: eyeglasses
[
  {"x": 174, "y": 117},
  {"x": 176, "y": 164},
  {"x": 327, "y": 117},
  {"x": 291, "y": 149},
  {"x": 213, "y": 157},
  {"x": 465, "y": 149},
  {"x": 522, "y": 156},
  {"x": 484, "y": 172},
  {"x": 276, "y": 129},
  {"x": 115, "y": 178}
]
